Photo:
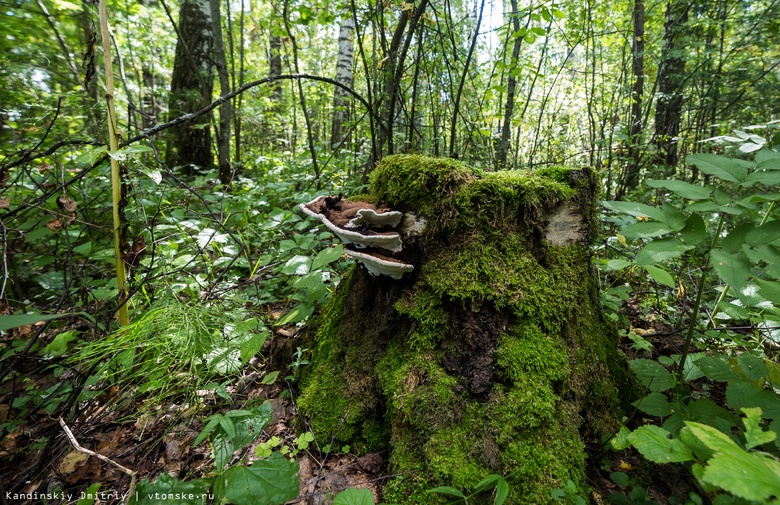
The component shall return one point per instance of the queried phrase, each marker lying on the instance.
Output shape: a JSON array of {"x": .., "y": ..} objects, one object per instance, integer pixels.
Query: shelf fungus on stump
[{"x": 367, "y": 231}]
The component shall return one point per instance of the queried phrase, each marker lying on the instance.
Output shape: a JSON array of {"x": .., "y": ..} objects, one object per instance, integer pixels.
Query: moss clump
[{"x": 487, "y": 357}]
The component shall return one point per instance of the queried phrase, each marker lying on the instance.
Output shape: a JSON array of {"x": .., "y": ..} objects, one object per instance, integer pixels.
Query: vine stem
[
  {"x": 113, "y": 144},
  {"x": 697, "y": 304}
]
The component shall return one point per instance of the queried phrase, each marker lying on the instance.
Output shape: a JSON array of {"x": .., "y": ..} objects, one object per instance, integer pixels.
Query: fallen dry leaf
[{"x": 71, "y": 462}]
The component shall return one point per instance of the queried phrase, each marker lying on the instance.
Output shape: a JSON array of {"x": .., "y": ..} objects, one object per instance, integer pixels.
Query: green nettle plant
[{"x": 724, "y": 235}]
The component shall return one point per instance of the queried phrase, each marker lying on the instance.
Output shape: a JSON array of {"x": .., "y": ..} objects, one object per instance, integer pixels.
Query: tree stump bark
[{"x": 492, "y": 356}]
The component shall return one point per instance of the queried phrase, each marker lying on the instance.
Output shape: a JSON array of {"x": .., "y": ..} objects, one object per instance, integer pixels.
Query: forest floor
[{"x": 37, "y": 457}]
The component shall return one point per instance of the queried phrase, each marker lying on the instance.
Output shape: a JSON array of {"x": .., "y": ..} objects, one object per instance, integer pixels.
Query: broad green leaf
[
  {"x": 754, "y": 435},
  {"x": 297, "y": 265},
  {"x": 661, "y": 250},
  {"x": 767, "y": 156},
  {"x": 270, "y": 377},
  {"x": 716, "y": 369},
  {"x": 724, "y": 168},
  {"x": 271, "y": 481},
  {"x": 656, "y": 445},
  {"x": 620, "y": 478},
  {"x": 736, "y": 238},
  {"x": 193, "y": 492},
  {"x": 90, "y": 496},
  {"x": 252, "y": 346},
  {"x": 673, "y": 217},
  {"x": 753, "y": 476},
  {"x": 733, "y": 269},
  {"x": 91, "y": 156},
  {"x": 635, "y": 209},
  {"x": 682, "y": 188},
  {"x": 652, "y": 374},
  {"x": 654, "y": 404},
  {"x": 694, "y": 231},
  {"x": 744, "y": 394},
  {"x": 620, "y": 440},
  {"x": 768, "y": 178},
  {"x": 709, "y": 206},
  {"x": 59, "y": 345},
  {"x": 767, "y": 232},
  {"x": 645, "y": 229},
  {"x": 488, "y": 482},
  {"x": 752, "y": 366},
  {"x": 617, "y": 264},
  {"x": 708, "y": 412},
  {"x": 14, "y": 321},
  {"x": 660, "y": 275},
  {"x": 327, "y": 256},
  {"x": 447, "y": 490},
  {"x": 502, "y": 492},
  {"x": 354, "y": 496}
]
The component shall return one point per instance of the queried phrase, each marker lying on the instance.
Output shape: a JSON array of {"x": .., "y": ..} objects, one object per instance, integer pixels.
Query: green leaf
[
  {"x": 617, "y": 264},
  {"x": 767, "y": 232},
  {"x": 297, "y": 265},
  {"x": 89, "y": 497},
  {"x": 708, "y": 412},
  {"x": 270, "y": 378},
  {"x": 654, "y": 404},
  {"x": 635, "y": 209},
  {"x": 709, "y": 206},
  {"x": 656, "y": 445},
  {"x": 661, "y": 250},
  {"x": 354, "y": 496},
  {"x": 620, "y": 478},
  {"x": 660, "y": 275},
  {"x": 620, "y": 440},
  {"x": 752, "y": 366},
  {"x": 752, "y": 476},
  {"x": 645, "y": 229},
  {"x": 652, "y": 374},
  {"x": 716, "y": 369},
  {"x": 745, "y": 394},
  {"x": 488, "y": 482},
  {"x": 682, "y": 188},
  {"x": 9, "y": 322},
  {"x": 694, "y": 231},
  {"x": 59, "y": 345},
  {"x": 767, "y": 178},
  {"x": 736, "y": 238},
  {"x": 724, "y": 168},
  {"x": 271, "y": 481},
  {"x": 673, "y": 217},
  {"x": 327, "y": 256},
  {"x": 194, "y": 492},
  {"x": 252, "y": 346},
  {"x": 754, "y": 435},
  {"x": 502, "y": 492},
  {"x": 447, "y": 490},
  {"x": 733, "y": 269}
]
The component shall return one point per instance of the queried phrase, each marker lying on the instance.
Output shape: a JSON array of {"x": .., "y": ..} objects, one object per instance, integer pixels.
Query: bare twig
[{"x": 104, "y": 459}]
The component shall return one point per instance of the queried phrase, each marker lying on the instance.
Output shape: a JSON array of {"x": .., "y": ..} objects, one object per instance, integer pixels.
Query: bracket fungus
[{"x": 361, "y": 225}]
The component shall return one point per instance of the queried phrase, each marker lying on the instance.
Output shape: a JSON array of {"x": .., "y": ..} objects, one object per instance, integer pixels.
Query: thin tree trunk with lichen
[{"x": 491, "y": 356}]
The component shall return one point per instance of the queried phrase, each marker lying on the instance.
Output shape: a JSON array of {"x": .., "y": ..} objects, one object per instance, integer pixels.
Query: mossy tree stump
[{"x": 491, "y": 357}]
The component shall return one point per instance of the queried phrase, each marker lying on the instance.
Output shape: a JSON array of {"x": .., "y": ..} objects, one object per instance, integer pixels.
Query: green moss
[
  {"x": 529, "y": 353},
  {"x": 430, "y": 320}
]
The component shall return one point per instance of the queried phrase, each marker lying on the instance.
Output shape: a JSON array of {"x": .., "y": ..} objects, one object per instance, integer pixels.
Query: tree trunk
[
  {"x": 189, "y": 144},
  {"x": 491, "y": 356},
  {"x": 223, "y": 132},
  {"x": 502, "y": 145},
  {"x": 671, "y": 76},
  {"x": 342, "y": 100}
]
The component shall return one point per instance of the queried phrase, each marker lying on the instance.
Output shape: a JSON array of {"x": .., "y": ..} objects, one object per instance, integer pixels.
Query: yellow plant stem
[{"x": 113, "y": 145}]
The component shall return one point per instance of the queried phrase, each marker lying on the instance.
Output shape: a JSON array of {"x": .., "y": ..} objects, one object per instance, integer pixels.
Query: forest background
[{"x": 219, "y": 118}]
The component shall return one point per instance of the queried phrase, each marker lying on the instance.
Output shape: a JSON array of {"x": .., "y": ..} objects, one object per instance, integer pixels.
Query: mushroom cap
[
  {"x": 337, "y": 214},
  {"x": 379, "y": 264},
  {"x": 372, "y": 217}
]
